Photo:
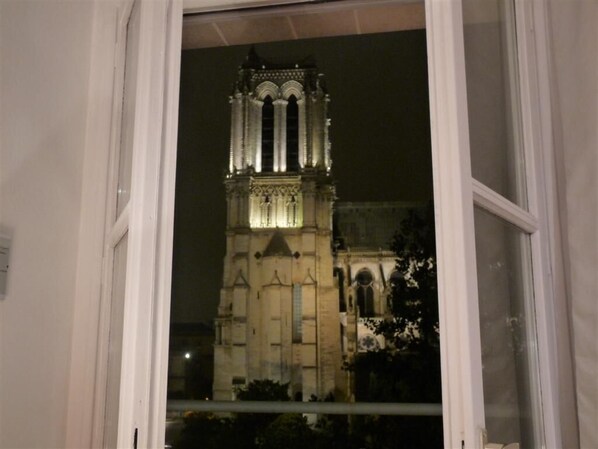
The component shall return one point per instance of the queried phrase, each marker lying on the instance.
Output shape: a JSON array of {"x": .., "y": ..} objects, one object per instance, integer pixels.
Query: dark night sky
[{"x": 380, "y": 136}]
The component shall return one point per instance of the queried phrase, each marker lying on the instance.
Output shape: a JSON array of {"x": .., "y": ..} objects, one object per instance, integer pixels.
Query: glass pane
[
  {"x": 508, "y": 333},
  {"x": 283, "y": 285},
  {"x": 117, "y": 304},
  {"x": 299, "y": 431},
  {"x": 128, "y": 113},
  {"x": 493, "y": 99}
]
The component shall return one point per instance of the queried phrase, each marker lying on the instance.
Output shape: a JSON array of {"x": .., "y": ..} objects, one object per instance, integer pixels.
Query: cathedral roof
[
  {"x": 369, "y": 225},
  {"x": 278, "y": 246},
  {"x": 240, "y": 280}
]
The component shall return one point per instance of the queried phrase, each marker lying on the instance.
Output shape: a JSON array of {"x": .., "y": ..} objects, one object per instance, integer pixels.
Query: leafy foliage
[
  {"x": 252, "y": 428},
  {"x": 413, "y": 301},
  {"x": 408, "y": 368},
  {"x": 206, "y": 431},
  {"x": 289, "y": 431},
  {"x": 264, "y": 390}
]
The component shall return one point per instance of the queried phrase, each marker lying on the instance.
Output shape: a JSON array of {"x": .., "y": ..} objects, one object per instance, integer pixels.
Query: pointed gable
[
  {"x": 240, "y": 280},
  {"x": 278, "y": 246},
  {"x": 309, "y": 279},
  {"x": 275, "y": 279}
]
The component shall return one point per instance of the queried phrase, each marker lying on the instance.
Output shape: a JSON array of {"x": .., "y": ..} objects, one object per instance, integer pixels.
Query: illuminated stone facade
[
  {"x": 278, "y": 316},
  {"x": 292, "y": 304}
]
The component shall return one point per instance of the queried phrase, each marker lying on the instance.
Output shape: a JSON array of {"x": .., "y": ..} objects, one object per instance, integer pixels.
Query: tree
[
  {"x": 207, "y": 431},
  {"x": 264, "y": 390},
  {"x": 289, "y": 431},
  {"x": 413, "y": 301},
  {"x": 251, "y": 428},
  {"x": 408, "y": 368},
  {"x": 242, "y": 430}
]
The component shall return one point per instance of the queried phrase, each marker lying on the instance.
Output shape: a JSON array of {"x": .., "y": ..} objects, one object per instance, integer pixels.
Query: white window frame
[
  {"x": 455, "y": 194},
  {"x": 149, "y": 219},
  {"x": 151, "y": 215},
  {"x": 116, "y": 227}
]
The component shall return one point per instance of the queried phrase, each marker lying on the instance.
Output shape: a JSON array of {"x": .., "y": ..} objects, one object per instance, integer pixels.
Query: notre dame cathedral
[{"x": 302, "y": 272}]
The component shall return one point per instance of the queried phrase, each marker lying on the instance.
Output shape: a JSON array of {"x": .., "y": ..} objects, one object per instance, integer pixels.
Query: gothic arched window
[
  {"x": 268, "y": 135},
  {"x": 292, "y": 134},
  {"x": 365, "y": 293}
]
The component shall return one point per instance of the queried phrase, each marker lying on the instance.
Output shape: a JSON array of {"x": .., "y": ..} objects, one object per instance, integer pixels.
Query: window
[
  {"x": 494, "y": 99},
  {"x": 117, "y": 229},
  {"x": 297, "y": 314},
  {"x": 304, "y": 332},
  {"x": 292, "y": 134},
  {"x": 455, "y": 196},
  {"x": 365, "y": 294},
  {"x": 268, "y": 135},
  {"x": 131, "y": 113}
]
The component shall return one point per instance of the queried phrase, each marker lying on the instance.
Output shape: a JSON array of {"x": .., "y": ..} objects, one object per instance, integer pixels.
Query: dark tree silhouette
[
  {"x": 413, "y": 324},
  {"x": 206, "y": 431},
  {"x": 240, "y": 431},
  {"x": 251, "y": 429},
  {"x": 264, "y": 390},
  {"x": 408, "y": 368},
  {"x": 289, "y": 431}
]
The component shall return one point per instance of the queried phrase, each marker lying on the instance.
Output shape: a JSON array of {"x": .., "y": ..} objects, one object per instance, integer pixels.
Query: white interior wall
[
  {"x": 44, "y": 71},
  {"x": 575, "y": 58}
]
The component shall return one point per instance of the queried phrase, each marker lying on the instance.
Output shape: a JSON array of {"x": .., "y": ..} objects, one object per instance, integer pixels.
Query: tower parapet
[{"x": 279, "y": 118}]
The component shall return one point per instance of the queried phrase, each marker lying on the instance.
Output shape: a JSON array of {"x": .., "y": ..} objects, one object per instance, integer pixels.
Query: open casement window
[
  {"x": 490, "y": 229},
  {"x": 495, "y": 303},
  {"x": 137, "y": 238}
]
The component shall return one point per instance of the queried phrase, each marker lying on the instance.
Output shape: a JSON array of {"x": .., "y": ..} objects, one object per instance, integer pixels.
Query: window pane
[
  {"x": 117, "y": 303},
  {"x": 125, "y": 155},
  {"x": 301, "y": 302},
  {"x": 508, "y": 332},
  {"x": 493, "y": 99},
  {"x": 298, "y": 431}
]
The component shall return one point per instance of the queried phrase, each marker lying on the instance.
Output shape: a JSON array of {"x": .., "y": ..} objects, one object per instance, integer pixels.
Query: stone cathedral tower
[{"x": 278, "y": 316}]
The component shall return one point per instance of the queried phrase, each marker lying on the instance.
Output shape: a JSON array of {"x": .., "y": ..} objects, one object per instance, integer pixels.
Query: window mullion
[
  {"x": 324, "y": 408},
  {"x": 498, "y": 205},
  {"x": 120, "y": 227}
]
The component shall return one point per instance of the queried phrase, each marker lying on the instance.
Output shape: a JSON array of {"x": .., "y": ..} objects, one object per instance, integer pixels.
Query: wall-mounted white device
[{"x": 4, "y": 253}]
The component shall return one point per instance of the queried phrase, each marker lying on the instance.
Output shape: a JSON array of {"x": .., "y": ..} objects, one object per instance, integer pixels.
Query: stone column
[
  {"x": 246, "y": 112},
  {"x": 302, "y": 130},
  {"x": 326, "y": 120},
  {"x": 236, "y": 132},
  {"x": 317, "y": 126},
  {"x": 257, "y": 135}
]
